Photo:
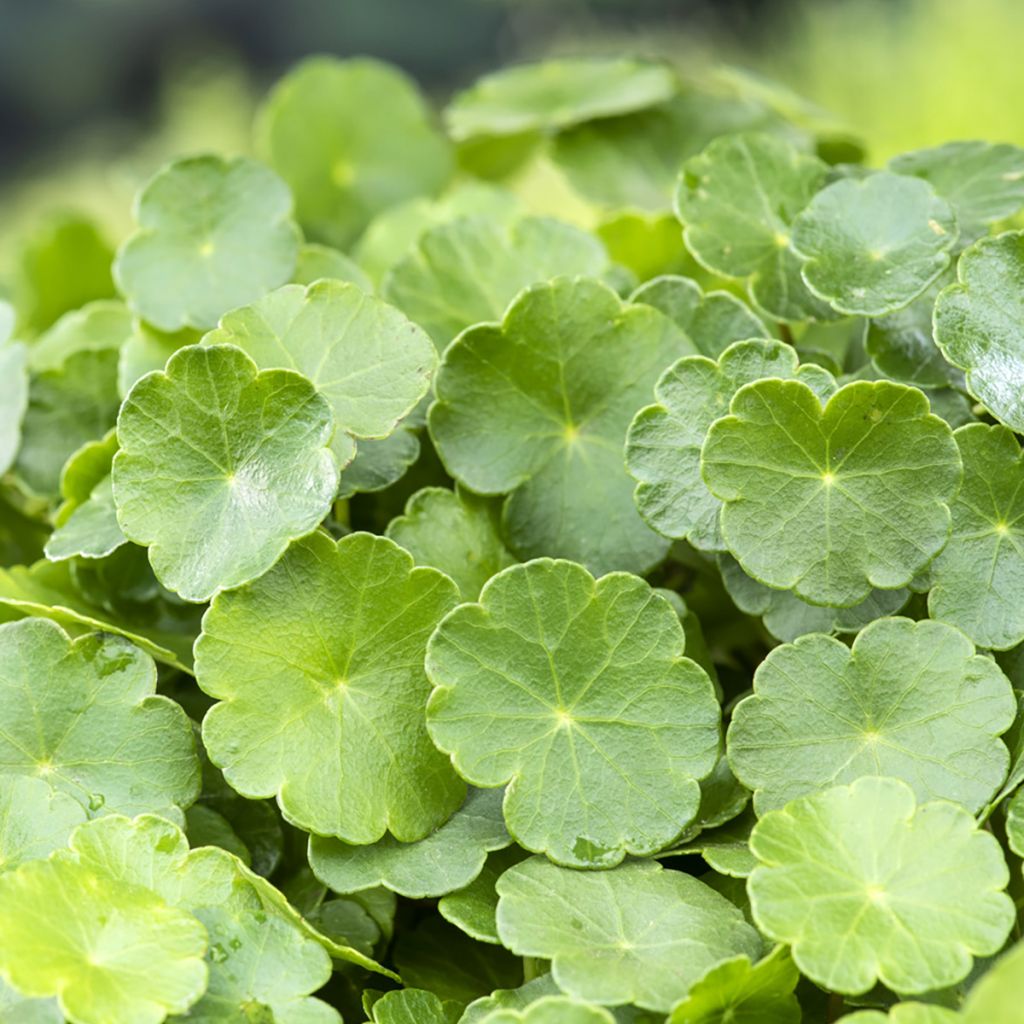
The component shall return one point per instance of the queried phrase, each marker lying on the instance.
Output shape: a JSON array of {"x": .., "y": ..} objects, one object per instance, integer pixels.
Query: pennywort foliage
[{"x": 419, "y": 608}]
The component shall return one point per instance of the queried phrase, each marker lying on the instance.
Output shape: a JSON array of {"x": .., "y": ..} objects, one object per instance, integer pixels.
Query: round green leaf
[
  {"x": 212, "y": 234},
  {"x": 13, "y": 399},
  {"x": 474, "y": 908},
  {"x": 97, "y": 730},
  {"x": 413, "y": 1006},
  {"x": 149, "y": 349},
  {"x": 380, "y": 462},
  {"x": 330, "y": 719},
  {"x": 737, "y": 991},
  {"x": 369, "y": 362},
  {"x": 872, "y": 245},
  {"x": 35, "y": 820},
  {"x": 220, "y": 467},
  {"x": 832, "y": 502},
  {"x": 539, "y": 407},
  {"x": 109, "y": 951},
  {"x": 552, "y": 1010},
  {"x": 995, "y": 999},
  {"x": 577, "y": 693},
  {"x": 907, "y": 901},
  {"x": 978, "y": 324},
  {"x": 351, "y": 138},
  {"x": 467, "y": 271},
  {"x": 982, "y": 181},
  {"x": 91, "y": 530},
  {"x": 556, "y": 94},
  {"x": 510, "y": 999},
  {"x": 725, "y": 849},
  {"x": 664, "y": 442},
  {"x": 910, "y": 700},
  {"x": 907, "y": 1013},
  {"x": 787, "y": 617},
  {"x": 321, "y": 261},
  {"x": 636, "y": 934},
  {"x": 98, "y": 325},
  {"x": 737, "y": 200},
  {"x": 457, "y": 532},
  {"x": 712, "y": 321},
  {"x": 444, "y": 861},
  {"x": 978, "y": 578}
]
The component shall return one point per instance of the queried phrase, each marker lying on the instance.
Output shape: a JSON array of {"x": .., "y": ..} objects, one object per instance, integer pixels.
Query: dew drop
[
  {"x": 217, "y": 953},
  {"x": 96, "y": 801}
]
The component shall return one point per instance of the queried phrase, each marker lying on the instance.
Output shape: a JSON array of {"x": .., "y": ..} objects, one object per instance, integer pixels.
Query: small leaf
[
  {"x": 726, "y": 849},
  {"x": 413, "y": 1006},
  {"x": 739, "y": 992},
  {"x": 330, "y": 720},
  {"x": 539, "y": 407},
  {"x": 556, "y": 94},
  {"x": 323, "y": 130},
  {"x": 474, "y": 908},
  {"x": 737, "y": 201},
  {"x": 467, "y": 271},
  {"x": 1015, "y": 823},
  {"x": 663, "y": 446},
  {"x": 910, "y": 700},
  {"x": 91, "y": 530},
  {"x": 321, "y": 261},
  {"x": 212, "y": 234},
  {"x": 891, "y": 914},
  {"x": 636, "y": 934},
  {"x": 220, "y": 467},
  {"x": 575, "y": 692},
  {"x": 149, "y": 349},
  {"x": 380, "y": 462},
  {"x": 97, "y": 730},
  {"x": 94, "y": 327},
  {"x": 978, "y": 324},
  {"x": 13, "y": 399},
  {"x": 984, "y": 183},
  {"x": 978, "y": 578},
  {"x": 712, "y": 321},
  {"x": 819, "y": 500},
  {"x": 552, "y": 1010},
  {"x": 457, "y": 532},
  {"x": 871, "y": 246},
  {"x": 444, "y": 861}
]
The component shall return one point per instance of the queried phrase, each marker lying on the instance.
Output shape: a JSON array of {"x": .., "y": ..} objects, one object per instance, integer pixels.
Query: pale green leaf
[
  {"x": 906, "y": 1013},
  {"x": 97, "y": 730},
  {"x": 737, "y": 991},
  {"x": 832, "y": 502},
  {"x": 14, "y": 387},
  {"x": 330, "y": 719},
  {"x": 220, "y": 467},
  {"x": 96, "y": 326},
  {"x": 995, "y": 999},
  {"x": 552, "y": 1010},
  {"x": 910, "y": 700},
  {"x": 787, "y": 617},
  {"x": 539, "y": 407},
  {"x": 369, "y": 362},
  {"x": 872, "y": 245},
  {"x": 212, "y": 234},
  {"x": 457, "y": 532},
  {"x": 635, "y": 934},
  {"x": 91, "y": 530},
  {"x": 737, "y": 200},
  {"x": 712, "y": 321},
  {"x": 577, "y": 693},
  {"x": 351, "y": 138},
  {"x": 467, "y": 271},
  {"x": 861, "y": 904},
  {"x": 444, "y": 861},
  {"x": 413, "y": 1006},
  {"x": 978, "y": 578},
  {"x": 663, "y": 446},
  {"x": 321, "y": 261},
  {"x": 557, "y": 94},
  {"x": 510, "y": 999},
  {"x": 18, "y": 1009},
  {"x": 380, "y": 462},
  {"x": 982, "y": 181},
  {"x": 474, "y": 908},
  {"x": 35, "y": 820},
  {"x": 726, "y": 849},
  {"x": 148, "y": 349},
  {"x": 978, "y": 324}
]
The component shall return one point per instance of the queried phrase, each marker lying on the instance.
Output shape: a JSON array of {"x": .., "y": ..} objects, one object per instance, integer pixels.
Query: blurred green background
[{"x": 95, "y": 94}]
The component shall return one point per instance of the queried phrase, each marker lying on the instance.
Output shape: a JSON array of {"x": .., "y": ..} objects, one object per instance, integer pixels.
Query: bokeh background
[{"x": 95, "y": 94}]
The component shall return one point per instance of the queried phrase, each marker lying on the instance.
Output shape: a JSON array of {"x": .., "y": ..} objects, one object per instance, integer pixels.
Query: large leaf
[
  {"x": 96, "y": 730},
  {"x": 220, "y": 467},
  {"x": 978, "y": 324},
  {"x": 351, "y": 138},
  {"x": 832, "y": 502},
  {"x": 539, "y": 407},
  {"x": 467, "y": 271},
  {"x": 448, "y": 859},
  {"x": 737, "y": 200},
  {"x": 978, "y": 578},
  {"x": 872, "y": 245},
  {"x": 636, "y": 934},
  {"x": 576, "y": 693},
  {"x": 909, "y": 699},
  {"x": 212, "y": 234},
  {"x": 369, "y": 362},
  {"x": 664, "y": 443},
  {"x": 861, "y": 903},
  {"x": 329, "y": 719}
]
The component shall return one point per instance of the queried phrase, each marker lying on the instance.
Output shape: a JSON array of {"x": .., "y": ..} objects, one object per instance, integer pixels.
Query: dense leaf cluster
[{"x": 423, "y": 608}]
